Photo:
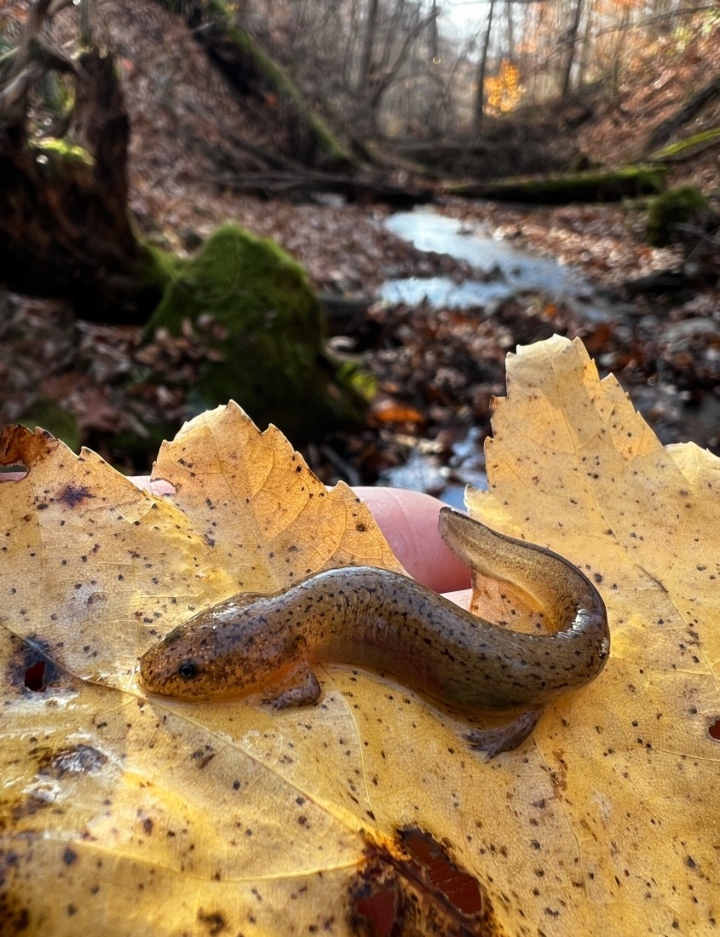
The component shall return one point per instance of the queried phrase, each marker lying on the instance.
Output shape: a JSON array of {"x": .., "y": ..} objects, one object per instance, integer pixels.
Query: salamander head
[
  {"x": 178, "y": 666},
  {"x": 229, "y": 650}
]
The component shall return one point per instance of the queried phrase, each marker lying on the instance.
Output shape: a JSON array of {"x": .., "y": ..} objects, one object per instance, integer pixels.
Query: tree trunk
[
  {"x": 366, "y": 53},
  {"x": 480, "y": 74},
  {"x": 572, "y": 46},
  {"x": 510, "y": 30},
  {"x": 586, "y": 51},
  {"x": 64, "y": 223}
]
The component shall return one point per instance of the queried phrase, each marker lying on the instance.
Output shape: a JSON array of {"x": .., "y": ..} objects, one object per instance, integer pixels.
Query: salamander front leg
[
  {"x": 301, "y": 689},
  {"x": 503, "y": 738}
]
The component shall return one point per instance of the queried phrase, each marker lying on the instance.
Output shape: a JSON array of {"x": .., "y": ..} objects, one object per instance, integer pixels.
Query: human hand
[{"x": 409, "y": 521}]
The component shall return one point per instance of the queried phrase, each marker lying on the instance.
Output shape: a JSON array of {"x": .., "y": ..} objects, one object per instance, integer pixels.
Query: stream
[{"x": 502, "y": 270}]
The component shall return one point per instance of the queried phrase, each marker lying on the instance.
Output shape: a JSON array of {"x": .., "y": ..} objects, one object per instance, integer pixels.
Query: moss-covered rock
[
  {"x": 50, "y": 416},
  {"x": 267, "y": 335},
  {"x": 673, "y": 207}
]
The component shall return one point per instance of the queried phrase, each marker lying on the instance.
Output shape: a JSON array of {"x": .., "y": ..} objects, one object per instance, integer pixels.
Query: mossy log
[
  {"x": 687, "y": 149},
  {"x": 593, "y": 186}
]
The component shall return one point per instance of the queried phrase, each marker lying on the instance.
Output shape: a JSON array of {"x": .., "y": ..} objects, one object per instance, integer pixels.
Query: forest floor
[{"x": 436, "y": 369}]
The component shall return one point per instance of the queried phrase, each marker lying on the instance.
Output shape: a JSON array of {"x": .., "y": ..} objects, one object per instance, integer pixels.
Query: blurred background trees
[
  {"x": 132, "y": 130},
  {"x": 423, "y": 68}
]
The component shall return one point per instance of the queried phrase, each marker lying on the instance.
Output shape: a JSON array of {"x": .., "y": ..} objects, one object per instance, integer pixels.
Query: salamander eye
[{"x": 188, "y": 669}]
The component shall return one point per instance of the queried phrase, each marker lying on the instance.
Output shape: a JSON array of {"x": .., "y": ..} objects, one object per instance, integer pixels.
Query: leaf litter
[{"x": 187, "y": 126}]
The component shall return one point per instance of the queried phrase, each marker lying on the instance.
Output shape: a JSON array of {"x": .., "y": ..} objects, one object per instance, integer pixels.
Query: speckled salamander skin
[{"x": 382, "y": 620}]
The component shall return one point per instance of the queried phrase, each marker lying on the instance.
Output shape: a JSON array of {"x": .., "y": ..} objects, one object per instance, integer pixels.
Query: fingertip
[{"x": 409, "y": 521}]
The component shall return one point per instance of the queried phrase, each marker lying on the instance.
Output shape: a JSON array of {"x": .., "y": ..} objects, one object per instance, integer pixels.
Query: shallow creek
[{"x": 502, "y": 270}]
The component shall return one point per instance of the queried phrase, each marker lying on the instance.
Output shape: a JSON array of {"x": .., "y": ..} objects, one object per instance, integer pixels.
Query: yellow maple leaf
[
  {"x": 574, "y": 467},
  {"x": 128, "y": 814},
  {"x": 504, "y": 90}
]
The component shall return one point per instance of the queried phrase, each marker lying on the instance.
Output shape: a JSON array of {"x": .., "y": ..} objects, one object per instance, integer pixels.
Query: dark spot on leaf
[
  {"x": 203, "y": 756},
  {"x": 69, "y": 856},
  {"x": 73, "y": 495},
  {"x": 35, "y": 676}
]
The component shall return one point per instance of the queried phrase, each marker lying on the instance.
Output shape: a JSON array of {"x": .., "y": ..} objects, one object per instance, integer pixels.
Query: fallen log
[
  {"x": 306, "y": 182},
  {"x": 592, "y": 186}
]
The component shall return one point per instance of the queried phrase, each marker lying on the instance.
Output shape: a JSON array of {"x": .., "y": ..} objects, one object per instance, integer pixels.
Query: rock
[
  {"x": 674, "y": 207},
  {"x": 266, "y": 335},
  {"x": 684, "y": 333}
]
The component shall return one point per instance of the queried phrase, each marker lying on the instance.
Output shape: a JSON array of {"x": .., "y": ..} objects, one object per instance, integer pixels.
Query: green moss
[
  {"x": 53, "y": 149},
  {"x": 667, "y": 152},
  {"x": 673, "y": 207},
  {"x": 267, "y": 329},
  {"x": 49, "y": 415}
]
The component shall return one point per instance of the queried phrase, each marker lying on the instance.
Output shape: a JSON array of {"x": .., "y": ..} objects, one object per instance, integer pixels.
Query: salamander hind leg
[
  {"x": 503, "y": 738},
  {"x": 301, "y": 689}
]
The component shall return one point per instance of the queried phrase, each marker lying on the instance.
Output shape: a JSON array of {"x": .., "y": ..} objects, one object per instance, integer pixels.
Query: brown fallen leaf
[{"x": 125, "y": 814}]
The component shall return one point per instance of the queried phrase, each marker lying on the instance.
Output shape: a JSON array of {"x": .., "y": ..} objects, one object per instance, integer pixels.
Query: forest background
[{"x": 311, "y": 122}]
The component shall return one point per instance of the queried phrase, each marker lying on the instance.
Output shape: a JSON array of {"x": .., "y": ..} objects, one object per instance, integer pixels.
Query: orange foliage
[{"x": 504, "y": 90}]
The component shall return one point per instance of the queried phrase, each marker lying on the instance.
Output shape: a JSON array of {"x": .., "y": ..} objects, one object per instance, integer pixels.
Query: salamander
[{"x": 382, "y": 620}]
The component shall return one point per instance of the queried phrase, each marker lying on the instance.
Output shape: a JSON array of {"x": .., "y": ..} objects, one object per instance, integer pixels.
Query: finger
[{"x": 409, "y": 521}]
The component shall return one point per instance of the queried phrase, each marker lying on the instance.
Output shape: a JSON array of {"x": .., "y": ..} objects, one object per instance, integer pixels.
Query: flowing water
[{"x": 502, "y": 270}]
